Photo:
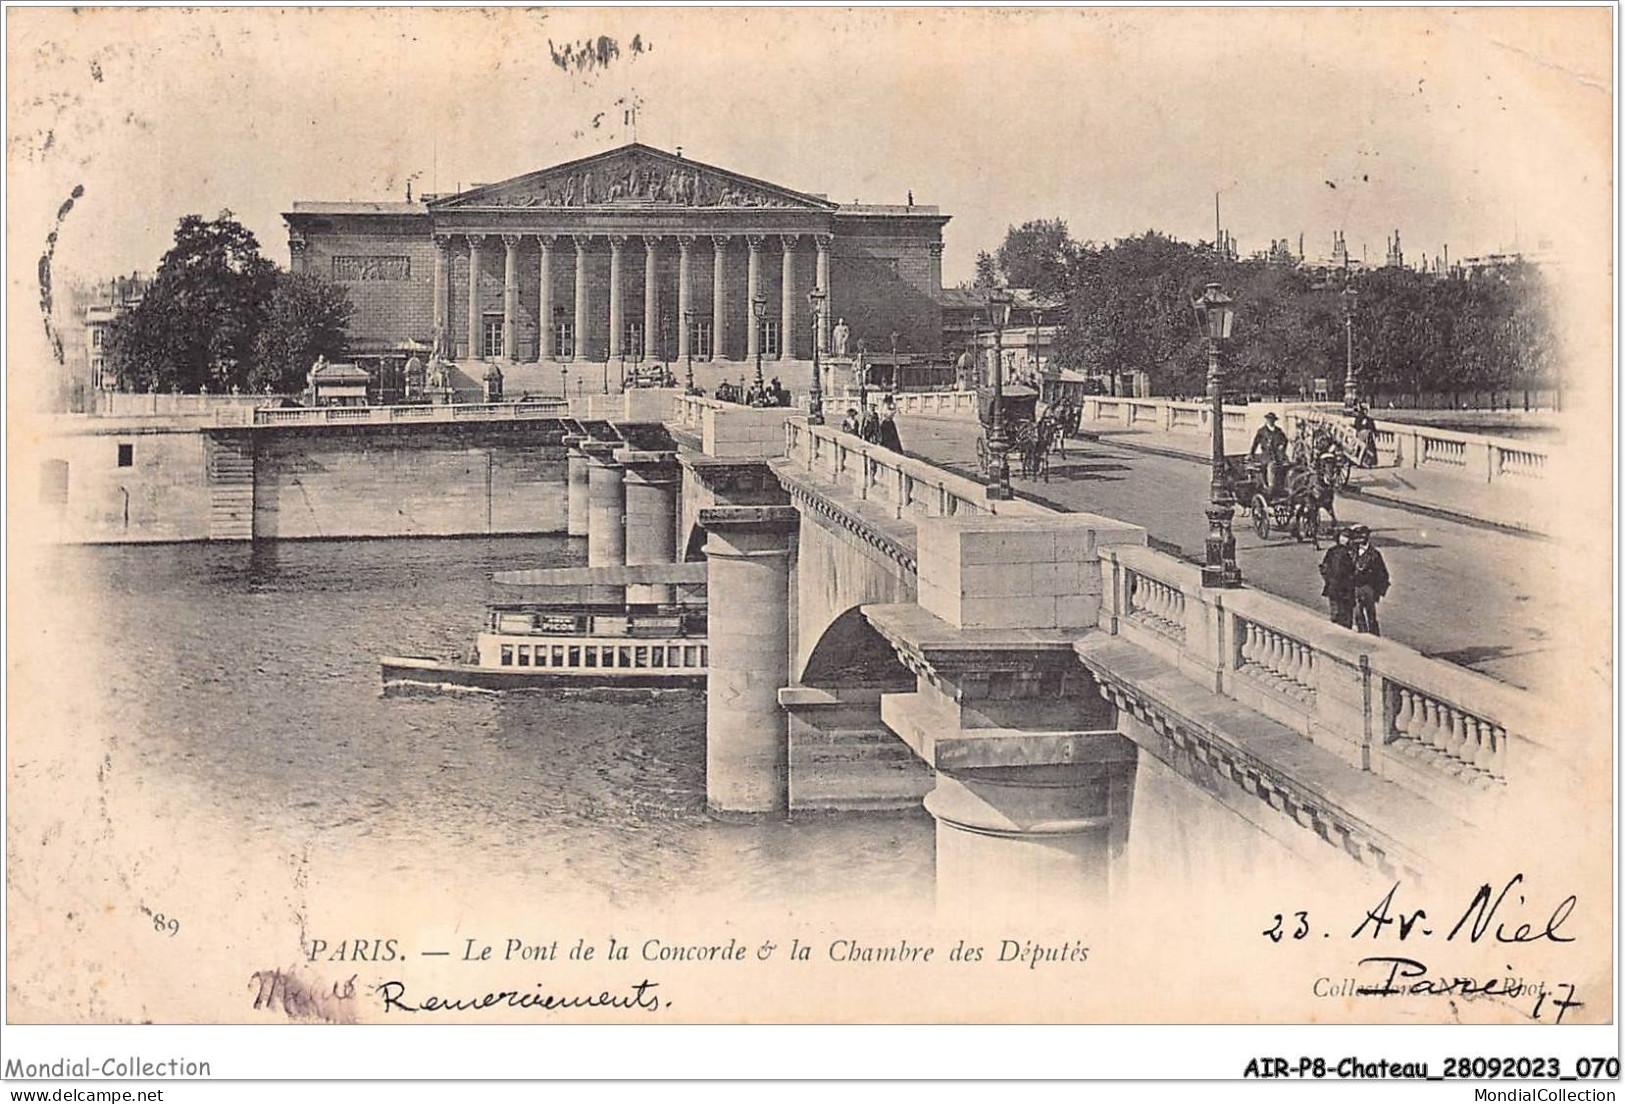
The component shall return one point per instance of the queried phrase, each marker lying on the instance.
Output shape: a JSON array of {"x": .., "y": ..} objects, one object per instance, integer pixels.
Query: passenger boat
[{"x": 574, "y": 637}]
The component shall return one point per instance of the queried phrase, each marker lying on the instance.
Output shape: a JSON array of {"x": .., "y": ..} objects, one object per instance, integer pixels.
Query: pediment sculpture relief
[{"x": 641, "y": 182}]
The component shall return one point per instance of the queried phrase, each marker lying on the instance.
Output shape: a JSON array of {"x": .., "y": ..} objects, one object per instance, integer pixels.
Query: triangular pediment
[{"x": 632, "y": 176}]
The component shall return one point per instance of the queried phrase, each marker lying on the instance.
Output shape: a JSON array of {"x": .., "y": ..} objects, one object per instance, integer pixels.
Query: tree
[
  {"x": 196, "y": 326},
  {"x": 1040, "y": 255},
  {"x": 308, "y": 317},
  {"x": 987, "y": 271},
  {"x": 1128, "y": 308}
]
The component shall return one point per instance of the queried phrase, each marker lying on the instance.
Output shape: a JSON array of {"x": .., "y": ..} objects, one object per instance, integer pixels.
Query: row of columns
[{"x": 789, "y": 244}]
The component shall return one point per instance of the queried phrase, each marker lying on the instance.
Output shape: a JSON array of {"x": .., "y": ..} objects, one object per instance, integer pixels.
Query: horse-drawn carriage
[
  {"x": 1026, "y": 436},
  {"x": 1292, "y": 507}
]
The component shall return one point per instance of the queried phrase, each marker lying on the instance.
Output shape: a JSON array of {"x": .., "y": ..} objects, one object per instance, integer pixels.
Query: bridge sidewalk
[{"x": 1439, "y": 494}]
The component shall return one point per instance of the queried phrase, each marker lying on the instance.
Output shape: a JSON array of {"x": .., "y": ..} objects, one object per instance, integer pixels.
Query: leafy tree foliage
[
  {"x": 1128, "y": 306},
  {"x": 308, "y": 318},
  {"x": 1039, "y": 254},
  {"x": 219, "y": 315}
]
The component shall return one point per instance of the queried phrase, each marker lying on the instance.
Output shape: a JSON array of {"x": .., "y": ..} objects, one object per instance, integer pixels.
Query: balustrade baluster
[
  {"x": 1477, "y": 751},
  {"x": 1498, "y": 753},
  {"x": 1427, "y": 726}
]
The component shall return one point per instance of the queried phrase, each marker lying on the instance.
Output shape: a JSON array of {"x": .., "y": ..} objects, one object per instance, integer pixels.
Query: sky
[{"x": 1479, "y": 130}]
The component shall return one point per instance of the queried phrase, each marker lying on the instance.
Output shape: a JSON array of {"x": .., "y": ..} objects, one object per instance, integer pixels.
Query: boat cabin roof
[{"x": 678, "y": 573}]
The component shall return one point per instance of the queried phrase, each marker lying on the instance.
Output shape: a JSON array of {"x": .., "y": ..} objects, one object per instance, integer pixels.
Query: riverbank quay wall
[{"x": 152, "y": 479}]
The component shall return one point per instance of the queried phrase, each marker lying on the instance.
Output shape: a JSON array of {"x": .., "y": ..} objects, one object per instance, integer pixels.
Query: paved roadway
[{"x": 1489, "y": 600}]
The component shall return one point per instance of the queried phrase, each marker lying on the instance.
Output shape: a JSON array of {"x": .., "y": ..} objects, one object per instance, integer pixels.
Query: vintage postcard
[{"x": 800, "y": 516}]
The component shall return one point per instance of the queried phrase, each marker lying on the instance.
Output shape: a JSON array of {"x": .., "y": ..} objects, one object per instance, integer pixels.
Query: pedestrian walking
[
  {"x": 1370, "y": 580},
  {"x": 886, "y": 432},
  {"x": 1337, "y": 569}
]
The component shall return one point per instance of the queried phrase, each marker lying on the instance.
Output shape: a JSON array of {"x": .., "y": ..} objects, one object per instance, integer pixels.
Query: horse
[
  {"x": 1034, "y": 441},
  {"x": 1311, "y": 490}
]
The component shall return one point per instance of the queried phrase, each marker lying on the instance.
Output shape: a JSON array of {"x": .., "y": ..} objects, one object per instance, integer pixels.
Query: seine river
[
  {"x": 254, "y": 672},
  {"x": 245, "y": 690}
]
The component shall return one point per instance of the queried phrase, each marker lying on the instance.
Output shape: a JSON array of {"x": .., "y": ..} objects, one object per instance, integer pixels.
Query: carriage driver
[{"x": 1271, "y": 442}]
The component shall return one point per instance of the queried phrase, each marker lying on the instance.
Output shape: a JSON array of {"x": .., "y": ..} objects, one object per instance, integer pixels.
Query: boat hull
[{"x": 438, "y": 672}]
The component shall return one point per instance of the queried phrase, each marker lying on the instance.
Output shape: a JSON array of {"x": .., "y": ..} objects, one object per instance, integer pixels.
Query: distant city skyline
[{"x": 1117, "y": 121}]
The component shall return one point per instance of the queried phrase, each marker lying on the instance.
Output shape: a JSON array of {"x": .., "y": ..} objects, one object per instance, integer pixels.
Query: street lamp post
[
  {"x": 758, "y": 307},
  {"x": 1215, "y": 311},
  {"x": 688, "y": 329},
  {"x": 894, "y": 360},
  {"x": 1037, "y": 344},
  {"x": 998, "y": 486},
  {"x": 815, "y": 398},
  {"x": 1351, "y": 383},
  {"x": 665, "y": 346},
  {"x": 863, "y": 377}
]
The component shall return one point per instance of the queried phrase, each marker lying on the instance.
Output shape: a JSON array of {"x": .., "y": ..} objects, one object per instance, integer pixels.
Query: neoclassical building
[{"x": 633, "y": 253}]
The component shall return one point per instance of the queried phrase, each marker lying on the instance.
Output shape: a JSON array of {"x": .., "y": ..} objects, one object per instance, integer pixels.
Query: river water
[
  {"x": 254, "y": 671},
  {"x": 245, "y": 707}
]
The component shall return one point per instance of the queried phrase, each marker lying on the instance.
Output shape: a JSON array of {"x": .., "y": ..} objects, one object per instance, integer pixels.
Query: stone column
[
  {"x": 576, "y": 471},
  {"x": 474, "y": 318},
  {"x": 685, "y": 303},
  {"x": 719, "y": 301},
  {"x": 1041, "y": 840},
  {"x": 510, "y": 298},
  {"x": 617, "y": 243},
  {"x": 823, "y": 241},
  {"x": 651, "y": 516},
  {"x": 582, "y": 315},
  {"x": 651, "y": 297},
  {"x": 442, "y": 292},
  {"x": 544, "y": 304},
  {"x": 747, "y": 751},
  {"x": 753, "y": 288},
  {"x": 787, "y": 296},
  {"x": 606, "y": 506}
]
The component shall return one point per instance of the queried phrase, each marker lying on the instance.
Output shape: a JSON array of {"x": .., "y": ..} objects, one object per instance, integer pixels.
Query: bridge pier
[
  {"x": 747, "y": 756},
  {"x": 606, "y": 506},
  {"x": 1038, "y": 839},
  {"x": 651, "y": 516},
  {"x": 576, "y": 474}
]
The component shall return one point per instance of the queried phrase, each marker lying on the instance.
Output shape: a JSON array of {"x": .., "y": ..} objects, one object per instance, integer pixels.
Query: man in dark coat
[
  {"x": 1337, "y": 569},
  {"x": 869, "y": 427},
  {"x": 1370, "y": 581},
  {"x": 887, "y": 432},
  {"x": 1270, "y": 441}
]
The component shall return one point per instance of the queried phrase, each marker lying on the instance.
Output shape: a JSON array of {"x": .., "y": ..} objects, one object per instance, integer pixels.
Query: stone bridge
[{"x": 882, "y": 633}]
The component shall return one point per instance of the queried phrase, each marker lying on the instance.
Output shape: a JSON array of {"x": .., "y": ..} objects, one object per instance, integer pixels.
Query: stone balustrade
[
  {"x": 1471, "y": 455},
  {"x": 1475, "y": 456},
  {"x": 1282, "y": 662},
  {"x": 1157, "y": 605},
  {"x": 907, "y": 486},
  {"x": 1165, "y": 415},
  {"x": 386, "y": 415},
  {"x": 1433, "y": 727}
]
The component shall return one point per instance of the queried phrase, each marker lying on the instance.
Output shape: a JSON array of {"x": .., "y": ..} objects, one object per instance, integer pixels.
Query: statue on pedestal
[
  {"x": 414, "y": 377},
  {"x": 841, "y": 337}
]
